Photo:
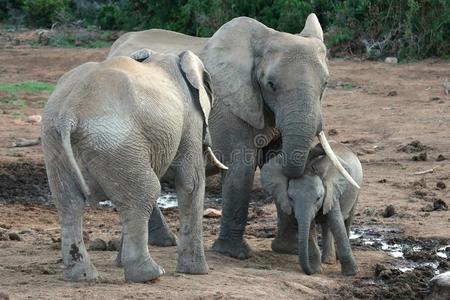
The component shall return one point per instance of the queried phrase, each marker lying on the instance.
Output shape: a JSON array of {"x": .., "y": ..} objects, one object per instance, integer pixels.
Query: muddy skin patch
[{"x": 74, "y": 251}]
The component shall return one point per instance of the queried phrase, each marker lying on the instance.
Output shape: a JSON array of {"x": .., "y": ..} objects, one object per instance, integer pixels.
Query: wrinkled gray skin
[
  {"x": 320, "y": 195},
  {"x": 110, "y": 130},
  {"x": 268, "y": 86}
]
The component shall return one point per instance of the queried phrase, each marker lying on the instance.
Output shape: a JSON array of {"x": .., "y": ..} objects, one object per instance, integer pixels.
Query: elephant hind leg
[
  {"x": 70, "y": 203},
  {"x": 134, "y": 188}
]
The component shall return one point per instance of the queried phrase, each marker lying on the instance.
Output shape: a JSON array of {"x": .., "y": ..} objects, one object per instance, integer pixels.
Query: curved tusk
[
  {"x": 214, "y": 159},
  {"x": 334, "y": 160}
]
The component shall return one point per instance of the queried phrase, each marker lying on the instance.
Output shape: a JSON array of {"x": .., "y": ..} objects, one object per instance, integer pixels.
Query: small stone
[
  {"x": 440, "y": 286},
  {"x": 378, "y": 269},
  {"x": 441, "y": 157},
  {"x": 34, "y": 119},
  {"x": 439, "y": 204},
  {"x": 435, "y": 98},
  {"x": 14, "y": 236},
  {"x": 114, "y": 245},
  {"x": 392, "y": 94},
  {"x": 421, "y": 157},
  {"x": 440, "y": 185},
  {"x": 332, "y": 132},
  {"x": 391, "y": 60},
  {"x": 382, "y": 180},
  {"x": 212, "y": 213},
  {"x": 420, "y": 183},
  {"x": 389, "y": 211},
  {"x": 47, "y": 271},
  {"x": 97, "y": 245}
]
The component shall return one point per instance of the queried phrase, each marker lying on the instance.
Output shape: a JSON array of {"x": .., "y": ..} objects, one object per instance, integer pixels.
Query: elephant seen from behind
[{"x": 110, "y": 130}]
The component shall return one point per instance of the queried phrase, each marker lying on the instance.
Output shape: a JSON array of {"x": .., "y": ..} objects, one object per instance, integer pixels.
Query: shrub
[{"x": 42, "y": 13}]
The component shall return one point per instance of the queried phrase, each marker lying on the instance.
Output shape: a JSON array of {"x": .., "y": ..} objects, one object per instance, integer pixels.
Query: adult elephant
[{"x": 267, "y": 85}]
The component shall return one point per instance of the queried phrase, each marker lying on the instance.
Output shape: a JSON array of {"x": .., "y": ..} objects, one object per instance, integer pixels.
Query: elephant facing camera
[{"x": 322, "y": 195}]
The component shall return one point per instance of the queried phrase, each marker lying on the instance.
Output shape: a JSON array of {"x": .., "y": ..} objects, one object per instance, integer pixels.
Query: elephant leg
[
  {"x": 134, "y": 191},
  {"x": 344, "y": 250},
  {"x": 159, "y": 233},
  {"x": 190, "y": 188},
  {"x": 328, "y": 251},
  {"x": 70, "y": 204},
  {"x": 236, "y": 188},
  {"x": 314, "y": 251},
  {"x": 286, "y": 240}
]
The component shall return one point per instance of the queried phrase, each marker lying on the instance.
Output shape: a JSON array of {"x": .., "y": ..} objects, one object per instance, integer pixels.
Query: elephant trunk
[
  {"x": 298, "y": 128},
  {"x": 304, "y": 225}
]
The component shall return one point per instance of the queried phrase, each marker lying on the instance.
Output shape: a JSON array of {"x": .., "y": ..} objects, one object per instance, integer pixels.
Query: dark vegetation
[{"x": 408, "y": 29}]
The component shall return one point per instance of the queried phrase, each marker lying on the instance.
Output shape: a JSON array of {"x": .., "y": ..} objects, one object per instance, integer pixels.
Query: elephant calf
[
  {"x": 110, "y": 130},
  {"x": 321, "y": 195}
]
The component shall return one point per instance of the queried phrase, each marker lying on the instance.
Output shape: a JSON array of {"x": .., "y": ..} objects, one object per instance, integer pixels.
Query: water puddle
[
  {"x": 410, "y": 253},
  {"x": 166, "y": 200}
]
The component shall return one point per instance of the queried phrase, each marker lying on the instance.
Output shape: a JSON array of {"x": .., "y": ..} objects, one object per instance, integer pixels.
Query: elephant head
[
  {"x": 268, "y": 77},
  {"x": 316, "y": 190}
]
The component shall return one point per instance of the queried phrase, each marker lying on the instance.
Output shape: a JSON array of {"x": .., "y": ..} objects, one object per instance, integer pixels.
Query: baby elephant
[
  {"x": 320, "y": 195},
  {"x": 110, "y": 130}
]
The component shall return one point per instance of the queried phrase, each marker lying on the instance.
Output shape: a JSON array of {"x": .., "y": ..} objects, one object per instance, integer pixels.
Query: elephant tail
[{"x": 65, "y": 131}]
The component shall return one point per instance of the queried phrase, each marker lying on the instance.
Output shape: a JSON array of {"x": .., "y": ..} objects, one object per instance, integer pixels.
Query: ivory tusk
[
  {"x": 334, "y": 160},
  {"x": 214, "y": 159}
]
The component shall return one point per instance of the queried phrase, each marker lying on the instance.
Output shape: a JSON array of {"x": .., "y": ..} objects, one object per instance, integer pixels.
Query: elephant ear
[
  {"x": 230, "y": 57},
  {"x": 312, "y": 28},
  {"x": 200, "y": 80},
  {"x": 274, "y": 181},
  {"x": 334, "y": 183},
  {"x": 141, "y": 55}
]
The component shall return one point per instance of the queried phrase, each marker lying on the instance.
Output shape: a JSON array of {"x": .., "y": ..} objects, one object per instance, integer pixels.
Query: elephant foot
[
  {"x": 349, "y": 268},
  {"x": 192, "y": 266},
  {"x": 285, "y": 246},
  {"x": 162, "y": 237},
  {"x": 234, "y": 248},
  {"x": 329, "y": 258},
  {"x": 81, "y": 271},
  {"x": 144, "y": 271}
]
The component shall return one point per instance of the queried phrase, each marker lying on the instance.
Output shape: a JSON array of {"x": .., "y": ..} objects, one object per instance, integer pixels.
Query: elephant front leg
[
  {"x": 314, "y": 251},
  {"x": 329, "y": 251},
  {"x": 236, "y": 189},
  {"x": 190, "y": 187},
  {"x": 344, "y": 251},
  {"x": 286, "y": 240},
  {"x": 159, "y": 233}
]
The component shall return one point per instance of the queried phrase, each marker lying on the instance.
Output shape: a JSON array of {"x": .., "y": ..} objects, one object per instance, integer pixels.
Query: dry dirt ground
[{"x": 378, "y": 109}]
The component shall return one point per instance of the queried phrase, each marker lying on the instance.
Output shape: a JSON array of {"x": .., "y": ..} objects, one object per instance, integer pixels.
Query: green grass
[
  {"x": 12, "y": 99},
  {"x": 26, "y": 86},
  {"x": 18, "y": 114}
]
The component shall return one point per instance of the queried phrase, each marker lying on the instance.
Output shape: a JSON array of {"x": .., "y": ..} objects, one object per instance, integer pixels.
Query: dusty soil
[{"x": 379, "y": 110}]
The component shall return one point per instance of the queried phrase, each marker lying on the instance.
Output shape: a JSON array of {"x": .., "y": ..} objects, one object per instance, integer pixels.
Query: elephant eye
[
  {"x": 271, "y": 85},
  {"x": 318, "y": 199}
]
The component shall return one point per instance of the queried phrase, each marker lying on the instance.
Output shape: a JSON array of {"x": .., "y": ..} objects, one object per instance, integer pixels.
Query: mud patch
[
  {"x": 390, "y": 283},
  {"x": 24, "y": 182},
  {"x": 413, "y": 147}
]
